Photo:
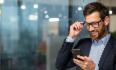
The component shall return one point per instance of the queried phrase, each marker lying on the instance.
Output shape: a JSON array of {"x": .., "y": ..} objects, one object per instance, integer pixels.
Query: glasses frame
[{"x": 94, "y": 24}]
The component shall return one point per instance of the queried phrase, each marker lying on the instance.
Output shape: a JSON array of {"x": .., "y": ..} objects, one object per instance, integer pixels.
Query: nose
[{"x": 91, "y": 28}]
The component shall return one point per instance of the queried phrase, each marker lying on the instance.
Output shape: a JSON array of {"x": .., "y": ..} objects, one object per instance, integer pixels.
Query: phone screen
[{"x": 76, "y": 52}]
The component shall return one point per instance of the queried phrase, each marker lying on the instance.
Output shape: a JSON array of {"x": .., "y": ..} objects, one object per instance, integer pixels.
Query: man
[{"x": 99, "y": 50}]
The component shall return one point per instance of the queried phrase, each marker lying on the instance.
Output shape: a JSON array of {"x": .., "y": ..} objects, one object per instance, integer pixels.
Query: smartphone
[{"x": 76, "y": 52}]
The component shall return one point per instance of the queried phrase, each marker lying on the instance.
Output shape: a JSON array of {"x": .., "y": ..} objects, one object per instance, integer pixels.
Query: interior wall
[
  {"x": 110, "y": 3},
  {"x": 112, "y": 23}
]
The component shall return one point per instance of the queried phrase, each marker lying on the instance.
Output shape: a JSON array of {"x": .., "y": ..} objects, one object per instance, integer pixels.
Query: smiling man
[{"x": 99, "y": 51}]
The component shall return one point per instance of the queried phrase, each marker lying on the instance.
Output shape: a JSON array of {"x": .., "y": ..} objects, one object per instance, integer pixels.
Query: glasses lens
[{"x": 94, "y": 24}]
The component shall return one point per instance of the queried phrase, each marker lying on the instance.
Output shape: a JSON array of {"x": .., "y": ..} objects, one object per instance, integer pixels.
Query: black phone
[{"x": 76, "y": 52}]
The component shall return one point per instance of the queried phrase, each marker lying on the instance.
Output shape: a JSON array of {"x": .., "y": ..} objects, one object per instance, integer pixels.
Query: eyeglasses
[{"x": 93, "y": 24}]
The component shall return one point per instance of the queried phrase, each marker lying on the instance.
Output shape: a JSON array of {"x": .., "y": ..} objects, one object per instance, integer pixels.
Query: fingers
[
  {"x": 75, "y": 29},
  {"x": 85, "y": 63},
  {"x": 81, "y": 57},
  {"x": 77, "y": 25},
  {"x": 80, "y": 63},
  {"x": 84, "y": 58},
  {"x": 87, "y": 59}
]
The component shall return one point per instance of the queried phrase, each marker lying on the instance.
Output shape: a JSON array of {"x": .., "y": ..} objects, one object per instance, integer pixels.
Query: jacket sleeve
[{"x": 64, "y": 57}]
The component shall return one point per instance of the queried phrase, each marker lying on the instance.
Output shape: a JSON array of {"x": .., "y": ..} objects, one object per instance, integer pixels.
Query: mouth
[{"x": 94, "y": 33}]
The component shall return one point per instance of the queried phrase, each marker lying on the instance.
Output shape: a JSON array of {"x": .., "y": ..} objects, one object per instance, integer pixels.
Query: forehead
[{"x": 95, "y": 16}]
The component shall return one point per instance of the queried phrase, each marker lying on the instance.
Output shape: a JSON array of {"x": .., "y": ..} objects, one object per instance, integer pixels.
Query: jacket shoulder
[{"x": 85, "y": 40}]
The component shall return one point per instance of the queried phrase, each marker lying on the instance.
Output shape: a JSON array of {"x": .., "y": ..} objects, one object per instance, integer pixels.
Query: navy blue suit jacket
[{"x": 107, "y": 60}]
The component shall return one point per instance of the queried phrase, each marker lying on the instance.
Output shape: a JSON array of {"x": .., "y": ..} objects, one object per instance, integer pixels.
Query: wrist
[
  {"x": 71, "y": 36},
  {"x": 70, "y": 39}
]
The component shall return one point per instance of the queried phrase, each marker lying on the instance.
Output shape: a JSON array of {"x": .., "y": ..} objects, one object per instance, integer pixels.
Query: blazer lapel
[
  {"x": 87, "y": 47},
  {"x": 105, "y": 52}
]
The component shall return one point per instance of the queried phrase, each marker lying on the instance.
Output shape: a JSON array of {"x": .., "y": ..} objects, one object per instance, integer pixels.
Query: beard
[
  {"x": 94, "y": 35},
  {"x": 97, "y": 34}
]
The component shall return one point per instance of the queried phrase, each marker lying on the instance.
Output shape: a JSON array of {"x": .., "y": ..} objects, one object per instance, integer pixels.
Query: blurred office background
[{"x": 32, "y": 31}]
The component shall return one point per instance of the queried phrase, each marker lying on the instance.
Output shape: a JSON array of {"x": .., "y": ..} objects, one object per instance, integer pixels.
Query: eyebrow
[{"x": 93, "y": 22}]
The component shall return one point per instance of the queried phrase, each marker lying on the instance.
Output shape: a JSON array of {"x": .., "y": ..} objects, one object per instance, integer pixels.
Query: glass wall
[{"x": 32, "y": 31}]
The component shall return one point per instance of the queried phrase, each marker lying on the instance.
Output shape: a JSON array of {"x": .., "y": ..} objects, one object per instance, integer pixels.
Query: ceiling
[
  {"x": 111, "y": 3},
  {"x": 62, "y": 2}
]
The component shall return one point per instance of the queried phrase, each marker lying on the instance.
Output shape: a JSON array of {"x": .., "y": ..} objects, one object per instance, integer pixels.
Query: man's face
[{"x": 95, "y": 25}]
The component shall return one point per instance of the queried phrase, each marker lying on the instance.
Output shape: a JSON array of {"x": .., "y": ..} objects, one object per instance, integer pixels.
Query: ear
[{"x": 107, "y": 20}]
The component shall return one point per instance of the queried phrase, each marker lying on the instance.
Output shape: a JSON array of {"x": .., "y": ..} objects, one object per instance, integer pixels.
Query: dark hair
[{"x": 96, "y": 6}]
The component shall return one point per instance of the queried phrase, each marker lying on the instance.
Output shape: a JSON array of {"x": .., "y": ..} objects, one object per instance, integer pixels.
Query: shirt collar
[{"x": 102, "y": 40}]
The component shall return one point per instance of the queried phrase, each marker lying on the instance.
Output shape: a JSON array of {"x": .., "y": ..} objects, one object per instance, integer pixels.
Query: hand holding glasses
[{"x": 76, "y": 27}]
